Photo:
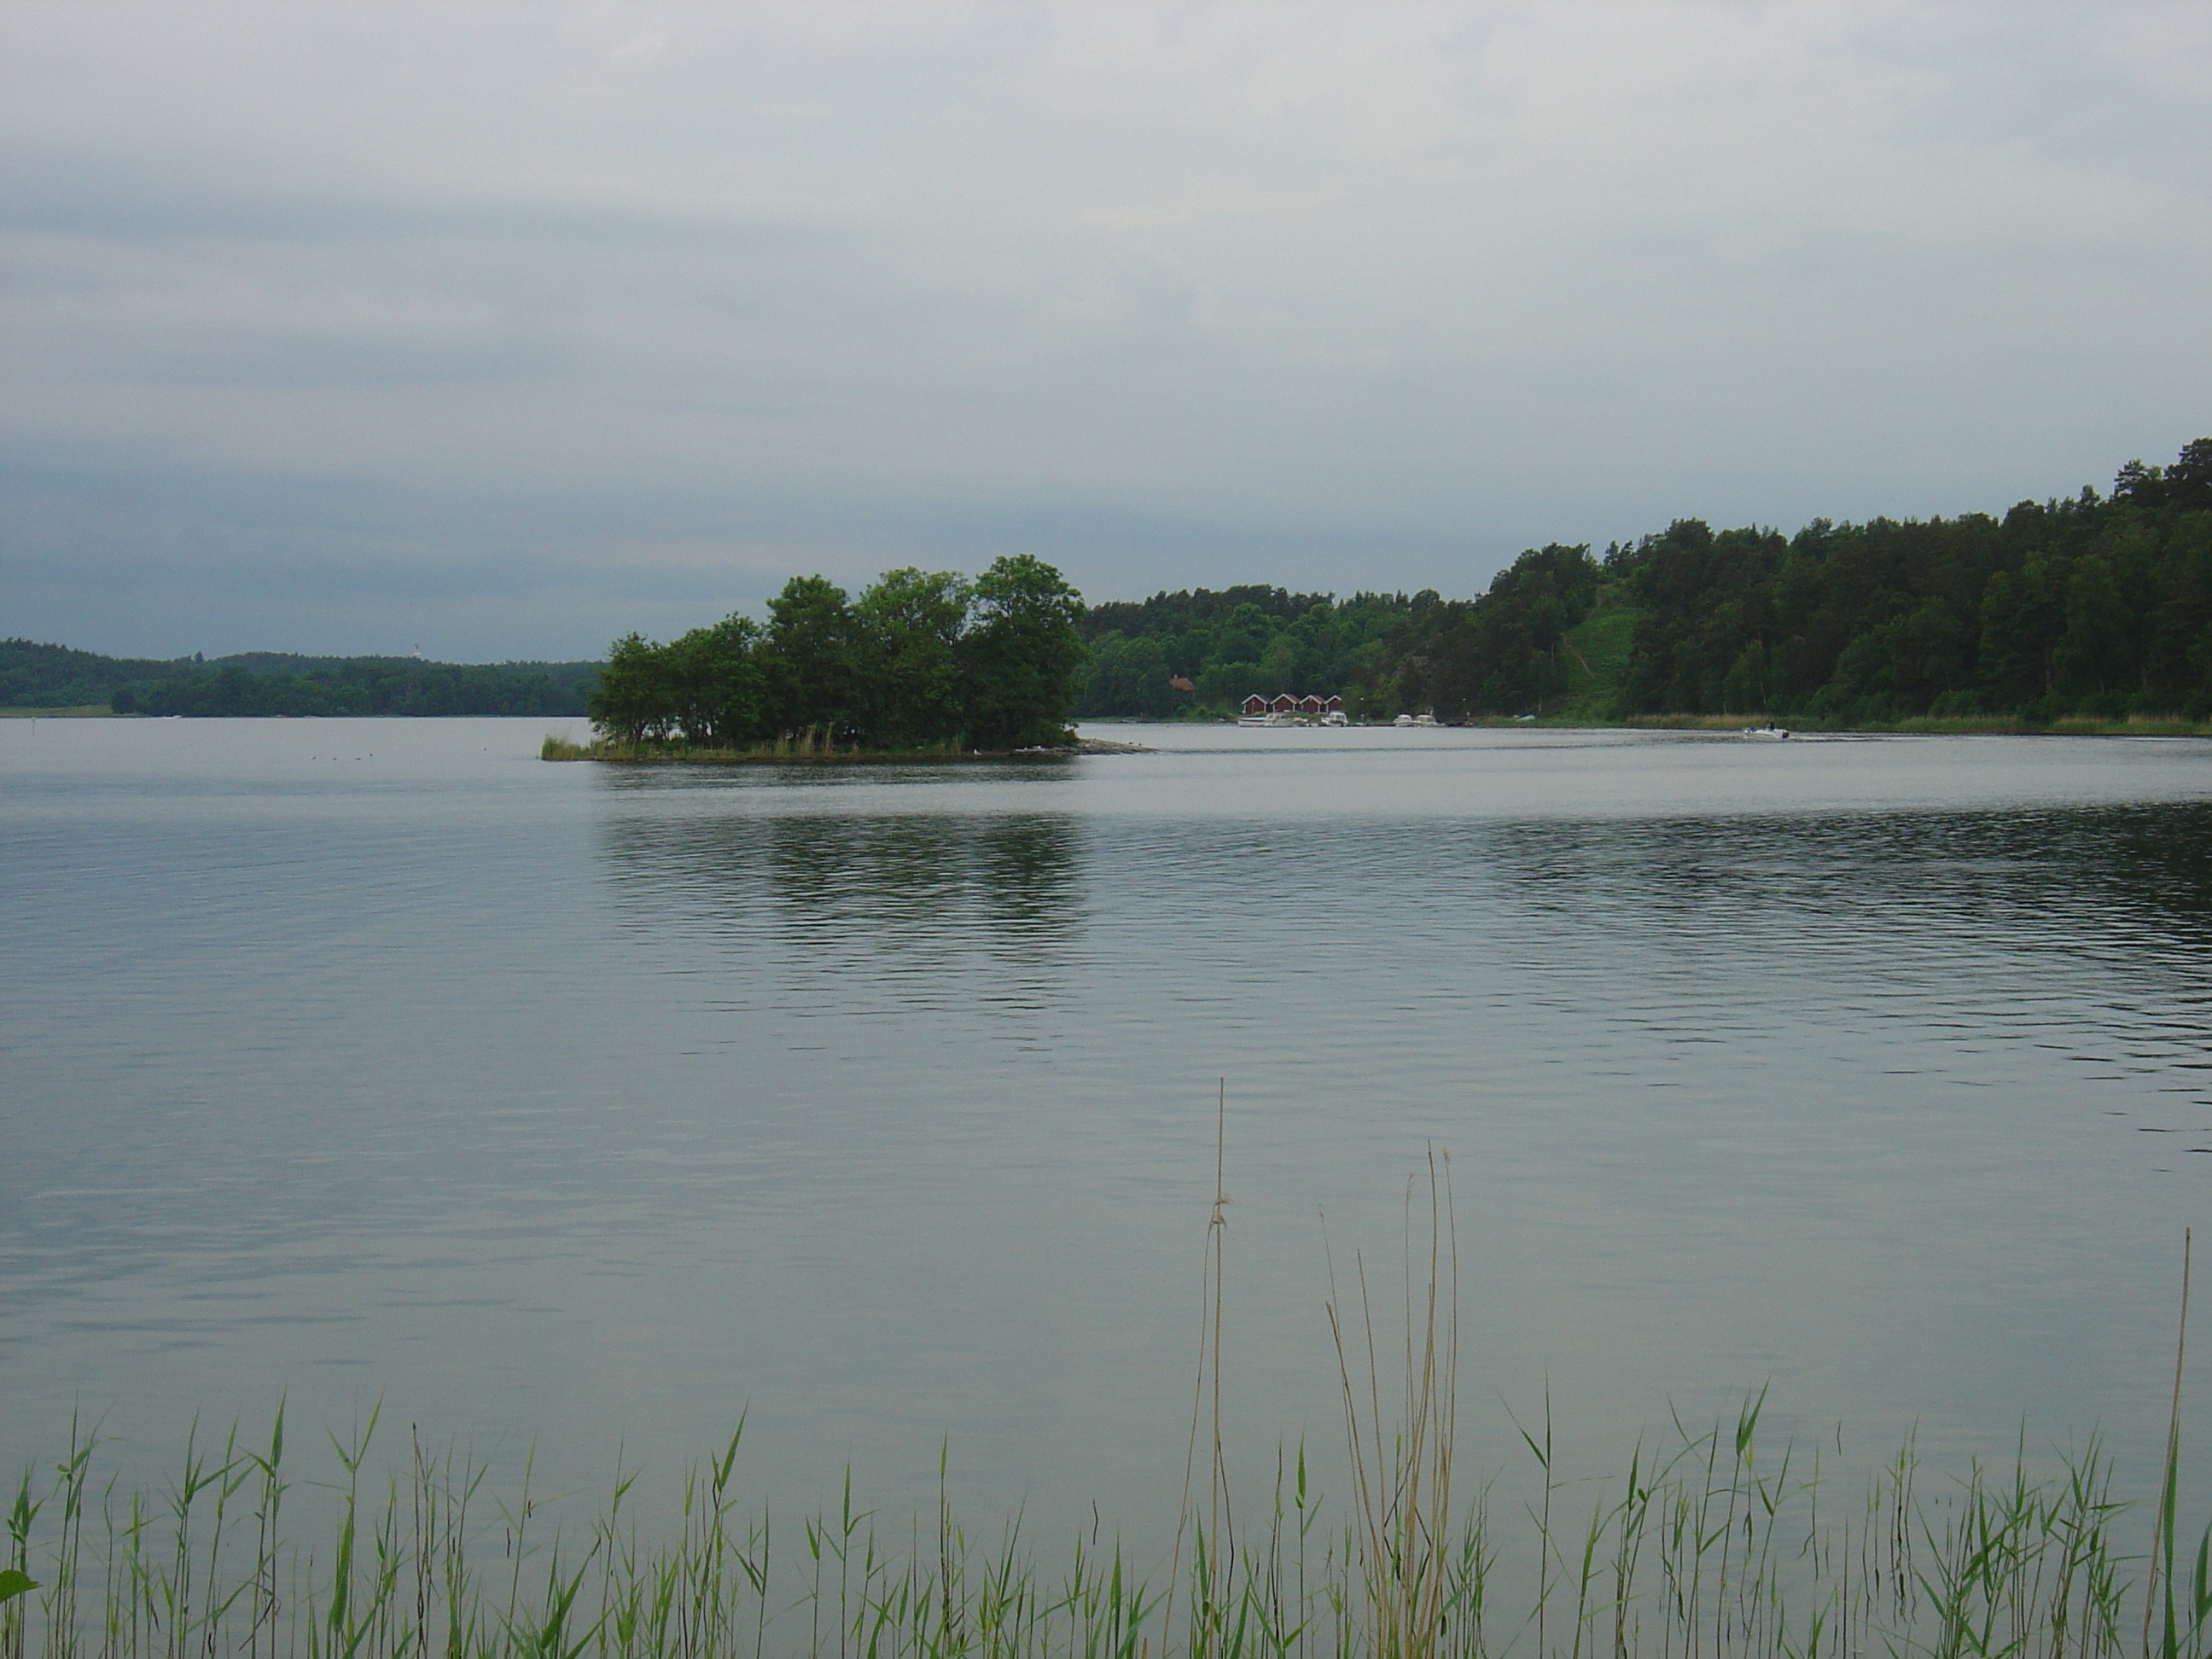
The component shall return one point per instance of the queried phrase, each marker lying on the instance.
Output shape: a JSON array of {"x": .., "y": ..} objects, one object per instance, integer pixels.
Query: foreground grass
[
  {"x": 1712, "y": 1542},
  {"x": 1718, "y": 1543}
]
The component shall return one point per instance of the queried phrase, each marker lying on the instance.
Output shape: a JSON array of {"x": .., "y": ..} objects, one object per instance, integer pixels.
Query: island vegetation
[{"x": 922, "y": 663}]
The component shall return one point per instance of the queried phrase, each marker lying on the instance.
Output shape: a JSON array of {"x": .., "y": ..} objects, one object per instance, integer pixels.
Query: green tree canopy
[
  {"x": 813, "y": 659},
  {"x": 1019, "y": 661},
  {"x": 922, "y": 661},
  {"x": 2081, "y": 603},
  {"x": 907, "y": 628}
]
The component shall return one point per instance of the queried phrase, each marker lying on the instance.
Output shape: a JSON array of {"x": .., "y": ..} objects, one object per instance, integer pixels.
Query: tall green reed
[{"x": 1708, "y": 1542}]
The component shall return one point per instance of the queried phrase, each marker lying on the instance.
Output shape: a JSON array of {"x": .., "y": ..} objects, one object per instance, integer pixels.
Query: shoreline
[
  {"x": 1963, "y": 725},
  {"x": 1915, "y": 725},
  {"x": 560, "y": 748}
]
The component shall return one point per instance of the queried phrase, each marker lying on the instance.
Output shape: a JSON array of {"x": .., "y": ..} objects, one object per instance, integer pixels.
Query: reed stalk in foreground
[
  {"x": 1710, "y": 1543},
  {"x": 1717, "y": 1544},
  {"x": 1416, "y": 1588}
]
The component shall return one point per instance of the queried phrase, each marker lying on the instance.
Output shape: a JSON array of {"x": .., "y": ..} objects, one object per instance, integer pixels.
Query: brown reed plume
[{"x": 1403, "y": 1540}]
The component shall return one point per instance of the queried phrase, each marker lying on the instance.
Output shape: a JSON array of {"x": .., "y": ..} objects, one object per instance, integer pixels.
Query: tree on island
[
  {"x": 922, "y": 661},
  {"x": 910, "y": 627},
  {"x": 809, "y": 661},
  {"x": 1019, "y": 662}
]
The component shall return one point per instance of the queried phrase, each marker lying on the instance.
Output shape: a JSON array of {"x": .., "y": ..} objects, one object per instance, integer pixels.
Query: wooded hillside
[
  {"x": 35, "y": 676},
  {"x": 2092, "y": 604}
]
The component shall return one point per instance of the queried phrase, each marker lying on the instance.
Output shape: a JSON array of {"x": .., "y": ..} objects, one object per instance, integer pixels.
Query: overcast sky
[{"x": 499, "y": 330}]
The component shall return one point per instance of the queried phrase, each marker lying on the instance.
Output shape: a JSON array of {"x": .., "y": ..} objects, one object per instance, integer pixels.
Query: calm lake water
[{"x": 586, "y": 1106}]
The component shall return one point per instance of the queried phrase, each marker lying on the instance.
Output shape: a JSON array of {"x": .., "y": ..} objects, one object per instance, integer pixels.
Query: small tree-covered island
[{"x": 922, "y": 663}]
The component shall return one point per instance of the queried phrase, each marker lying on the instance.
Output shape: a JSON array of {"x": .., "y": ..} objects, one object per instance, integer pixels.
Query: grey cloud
[
  {"x": 181, "y": 199},
  {"x": 521, "y": 304}
]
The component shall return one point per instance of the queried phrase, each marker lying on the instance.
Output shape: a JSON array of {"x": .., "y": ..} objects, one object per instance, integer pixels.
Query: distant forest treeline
[
  {"x": 35, "y": 676},
  {"x": 2098, "y": 605}
]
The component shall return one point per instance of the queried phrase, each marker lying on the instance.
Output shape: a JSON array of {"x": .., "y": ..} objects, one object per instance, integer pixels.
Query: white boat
[{"x": 1766, "y": 734}]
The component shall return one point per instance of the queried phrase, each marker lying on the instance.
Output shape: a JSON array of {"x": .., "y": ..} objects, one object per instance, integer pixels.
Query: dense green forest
[
  {"x": 33, "y": 676},
  {"x": 1228, "y": 644},
  {"x": 920, "y": 661},
  {"x": 2095, "y": 604}
]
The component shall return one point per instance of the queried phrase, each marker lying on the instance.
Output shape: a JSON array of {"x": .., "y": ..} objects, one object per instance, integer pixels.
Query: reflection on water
[
  {"x": 866, "y": 914},
  {"x": 1955, "y": 947},
  {"x": 2144, "y": 873},
  {"x": 592, "y": 1106},
  {"x": 1501, "y": 959}
]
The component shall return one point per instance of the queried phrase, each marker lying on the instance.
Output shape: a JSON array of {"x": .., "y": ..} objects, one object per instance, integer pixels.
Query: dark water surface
[{"x": 591, "y": 1106}]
